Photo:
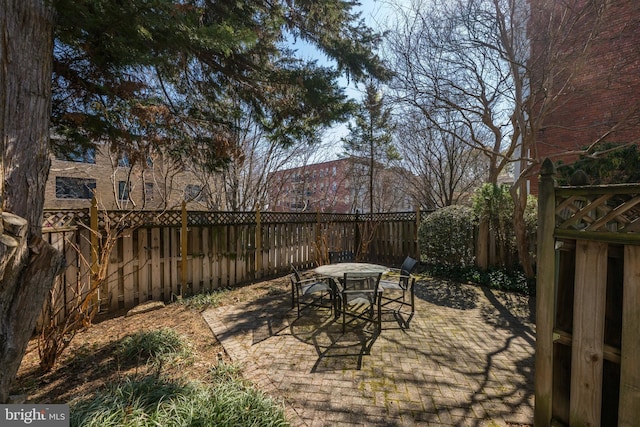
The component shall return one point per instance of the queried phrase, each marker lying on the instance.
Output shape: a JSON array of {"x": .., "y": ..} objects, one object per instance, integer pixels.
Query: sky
[{"x": 375, "y": 13}]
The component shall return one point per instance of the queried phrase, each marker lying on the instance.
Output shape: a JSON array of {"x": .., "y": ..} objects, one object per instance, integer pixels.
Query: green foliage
[
  {"x": 494, "y": 204},
  {"x": 153, "y": 347},
  {"x": 174, "y": 75},
  {"x": 610, "y": 163},
  {"x": 370, "y": 137},
  {"x": 446, "y": 237},
  {"x": 512, "y": 280},
  {"x": 154, "y": 401}
]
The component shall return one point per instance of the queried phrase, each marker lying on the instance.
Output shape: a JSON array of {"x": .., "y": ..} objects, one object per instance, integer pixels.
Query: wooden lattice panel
[
  {"x": 64, "y": 219},
  {"x": 133, "y": 219},
  {"x": 599, "y": 209},
  {"x": 288, "y": 217},
  {"x": 391, "y": 216},
  {"x": 141, "y": 218}
]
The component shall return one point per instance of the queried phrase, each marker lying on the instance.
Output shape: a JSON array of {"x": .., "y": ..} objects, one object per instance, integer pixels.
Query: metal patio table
[{"x": 337, "y": 270}]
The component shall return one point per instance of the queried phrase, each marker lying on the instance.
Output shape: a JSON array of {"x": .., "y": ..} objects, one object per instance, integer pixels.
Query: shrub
[
  {"x": 513, "y": 280},
  {"x": 494, "y": 204},
  {"x": 446, "y": 237}
]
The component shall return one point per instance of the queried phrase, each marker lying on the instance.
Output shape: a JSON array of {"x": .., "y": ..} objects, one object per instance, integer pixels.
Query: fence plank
[
  {"x": 84, "y": 260},
  {"x": 196, "y": 260},
  {"x": 588, "y": 333},
  {"x": 143, "y": 266},
  {"x": 112, "y": 289},
  {"x": 629, "y": 405},
  {"x": 71, "y": 282},
  {"x": 127, "y": 270},
  {"x": 174, "y": 257},
  {"x": 167, "y": 282},
  {"x": 206, "y": 260},
  {"x": 156, "y": 283}
]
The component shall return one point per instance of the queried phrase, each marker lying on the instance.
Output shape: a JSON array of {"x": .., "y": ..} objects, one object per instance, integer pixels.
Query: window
[
  {"x": 193, "y": 192},
  {"x": 82, "y": 155},
  {"x": 75, "y": 188},
  {"x": 123, "y": 190},
  {"x": 123, "y": 160},
  {"x": 148, "y": 191}
]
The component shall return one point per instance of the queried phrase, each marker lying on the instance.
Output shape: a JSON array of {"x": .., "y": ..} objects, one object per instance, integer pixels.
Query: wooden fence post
[
  {"x": 318, "y": 237},
  {"x": 629, "y": 405},
  {"x": 93, "y": 224},
  {"x": 417, "y": 241},
  {"x": 545, "y": 297},
  {"x": 183, "y": 246},
  {"x": 357, "y": 238},
  {"x": 258, "y": 255}
]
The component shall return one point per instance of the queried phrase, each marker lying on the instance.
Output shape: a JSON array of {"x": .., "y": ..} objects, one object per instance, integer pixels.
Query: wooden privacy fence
[
  {"x": 588, "y": 305},
  {"x": 223, "y": 249}
]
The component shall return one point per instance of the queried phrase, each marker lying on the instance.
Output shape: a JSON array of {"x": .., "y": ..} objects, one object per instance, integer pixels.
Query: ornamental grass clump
[
  {"x": 446, "y": 237},
  {"x": 155, "y": 401},
  {"x": 153, "y": 347},
  {"x": 203, "y": 301}
]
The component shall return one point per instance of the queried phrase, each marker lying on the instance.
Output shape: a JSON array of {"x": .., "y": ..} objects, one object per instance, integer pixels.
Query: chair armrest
[
  {"x": 398, "y": 280},
  {"x": 313, "y": 279},
  {"x": 392, "y": 272}
]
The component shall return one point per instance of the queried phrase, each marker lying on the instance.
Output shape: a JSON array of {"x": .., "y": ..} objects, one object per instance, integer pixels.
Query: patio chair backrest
[
  {"x": 365, "y": 282},
  {"x": 296, "y": 273},
  {"x": 405, "y": 270},
  {"x": 341, "y": 256},
  {"x": 408, "y": 265}
]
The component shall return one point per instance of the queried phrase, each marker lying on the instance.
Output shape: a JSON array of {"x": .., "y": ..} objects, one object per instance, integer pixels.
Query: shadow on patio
[{"x": 466, "y": 360}]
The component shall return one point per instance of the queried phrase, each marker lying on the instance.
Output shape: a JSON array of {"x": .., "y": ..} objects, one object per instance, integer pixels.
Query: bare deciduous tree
[
  {"x": 444, "y": 171},
  {"x": 499, "y": 69}
]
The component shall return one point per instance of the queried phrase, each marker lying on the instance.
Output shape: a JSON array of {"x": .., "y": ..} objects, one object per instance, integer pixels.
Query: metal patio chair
[
  {"x": 359, "y": 298},
  {"x": 336, "y": 257},
  {"x": 314, "y": 291},
  {"x": 398, "y": 283}
]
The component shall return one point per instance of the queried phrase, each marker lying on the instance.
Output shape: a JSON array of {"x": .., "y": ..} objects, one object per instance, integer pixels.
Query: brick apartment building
[
  {"x": 119, "y": 184},
  {"x": 602, "y": 101},
  {"x": 338, "y": 186}
]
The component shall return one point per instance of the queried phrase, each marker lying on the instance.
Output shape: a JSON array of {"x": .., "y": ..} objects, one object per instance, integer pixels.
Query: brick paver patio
[{"x": 466, "y": 360}]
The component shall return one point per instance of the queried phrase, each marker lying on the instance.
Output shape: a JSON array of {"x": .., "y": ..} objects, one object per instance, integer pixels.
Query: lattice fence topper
[
  {"x": 58, "y": 219},
  {"x": 611, "y": 208},
  {"x": 130, "y": 219},
  {"x": 64, "y": 219},
  {"x": 390, "y": 216}
]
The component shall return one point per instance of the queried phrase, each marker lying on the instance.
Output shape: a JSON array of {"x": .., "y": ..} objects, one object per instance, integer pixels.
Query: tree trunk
[
  {"x": 482, "y": 245},
  {"x": 520, "y": 228},
  {"x": 28, "y": 265}
]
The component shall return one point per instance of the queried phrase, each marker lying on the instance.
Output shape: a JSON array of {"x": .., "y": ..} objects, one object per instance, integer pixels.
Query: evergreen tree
[
  {"x": 370, "y": 137},
  {"x": 132, "y": 71},
  {"x": 159, "y": 72}
]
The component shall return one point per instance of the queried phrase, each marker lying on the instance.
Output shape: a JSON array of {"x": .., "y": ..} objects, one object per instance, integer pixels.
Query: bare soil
[{"x": 89, "y": 362}]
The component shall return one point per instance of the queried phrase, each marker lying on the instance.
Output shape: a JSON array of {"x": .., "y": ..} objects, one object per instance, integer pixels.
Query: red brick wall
[{"x": 602, "y": 99}]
